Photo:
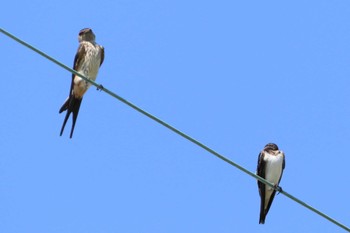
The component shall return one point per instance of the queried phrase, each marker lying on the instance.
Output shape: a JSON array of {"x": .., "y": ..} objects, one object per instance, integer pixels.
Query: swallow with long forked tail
[{"x": 87, "y": 62}]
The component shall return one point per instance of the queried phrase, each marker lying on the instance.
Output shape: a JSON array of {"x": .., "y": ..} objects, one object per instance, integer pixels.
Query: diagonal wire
[{"x": 177, "y": 131}]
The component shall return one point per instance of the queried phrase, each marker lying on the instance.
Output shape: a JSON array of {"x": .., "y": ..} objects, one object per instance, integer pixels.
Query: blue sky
[{"x": 233, "y": 74}]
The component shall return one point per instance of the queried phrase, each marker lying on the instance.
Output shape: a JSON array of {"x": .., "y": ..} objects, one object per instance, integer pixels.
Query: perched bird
[
  {"x": 271, "y": 163},
  {"x": 87, "y": 62}
]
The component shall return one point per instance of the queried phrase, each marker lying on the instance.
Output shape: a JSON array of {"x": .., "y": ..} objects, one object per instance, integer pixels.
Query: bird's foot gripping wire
[
  {"x": 100, "y": 87},
  {"x": 278, "y": 189}
]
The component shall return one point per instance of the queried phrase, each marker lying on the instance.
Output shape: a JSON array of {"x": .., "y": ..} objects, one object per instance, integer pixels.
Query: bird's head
[
  {"x": 270, "y": 146},
  {"x": 86, "y": 34}
]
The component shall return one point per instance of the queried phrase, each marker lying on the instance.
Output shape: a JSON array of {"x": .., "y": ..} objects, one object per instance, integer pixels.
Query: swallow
[
  {"x": 87, "y": 62},
  {"x": 271, "y": 163}
]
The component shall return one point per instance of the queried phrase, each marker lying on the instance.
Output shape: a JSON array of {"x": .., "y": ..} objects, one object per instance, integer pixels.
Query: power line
[{"x": 176, "y": 131}]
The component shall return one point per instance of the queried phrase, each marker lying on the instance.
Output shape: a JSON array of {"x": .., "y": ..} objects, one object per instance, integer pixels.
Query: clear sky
[{"x": 233, "y": 74}]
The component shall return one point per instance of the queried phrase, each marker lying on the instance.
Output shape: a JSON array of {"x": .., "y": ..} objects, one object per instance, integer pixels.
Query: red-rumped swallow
[
  {"x": 271, "y": 163},
  {"x": 87, "y": 62}
]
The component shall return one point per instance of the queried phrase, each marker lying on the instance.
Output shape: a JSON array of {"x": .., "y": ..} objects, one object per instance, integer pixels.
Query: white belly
[{"x": 273, "y": 170}]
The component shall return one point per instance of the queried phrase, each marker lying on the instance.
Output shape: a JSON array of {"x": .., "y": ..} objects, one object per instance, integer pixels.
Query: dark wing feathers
[
  {"x": 78, "y": 59},
  {"x": 102, "y": 54},
  {"x": 261, "y": 167},
  {"x": 261, "y": 172},
  {"x": 283, "y": 166},
  {"x": 72, "y": 104}
]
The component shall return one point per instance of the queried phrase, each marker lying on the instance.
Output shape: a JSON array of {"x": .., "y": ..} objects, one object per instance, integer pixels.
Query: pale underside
[
  {"x": 89, "y": 67},
  {"x": 273, "y": 173}
]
